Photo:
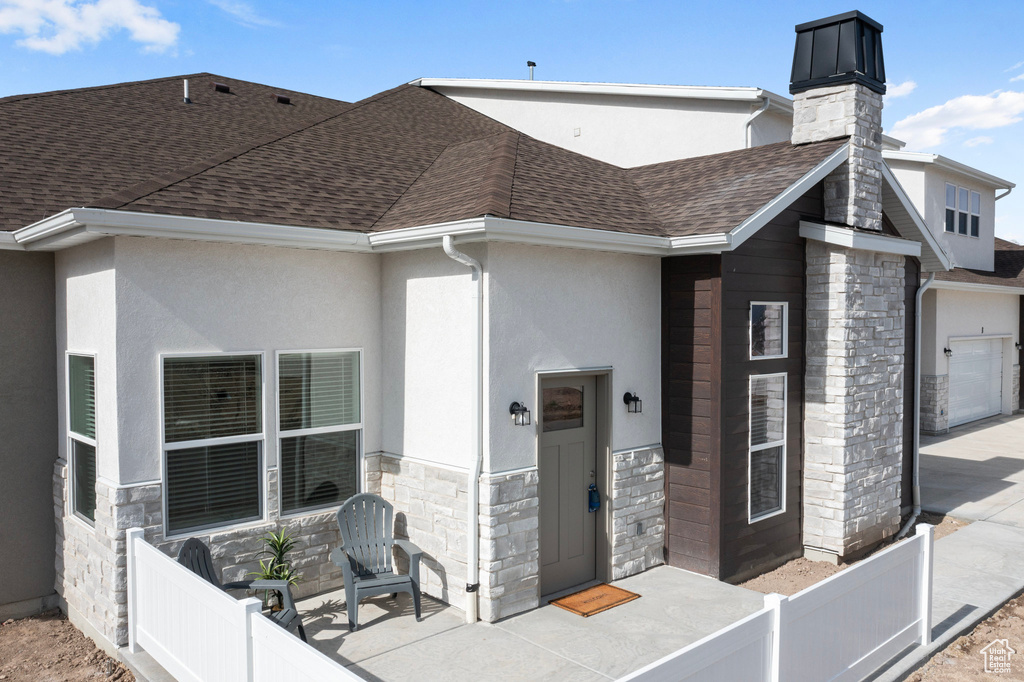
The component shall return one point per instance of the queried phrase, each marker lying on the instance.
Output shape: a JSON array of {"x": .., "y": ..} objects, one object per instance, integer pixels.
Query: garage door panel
[{"x": 975, "y": 380}]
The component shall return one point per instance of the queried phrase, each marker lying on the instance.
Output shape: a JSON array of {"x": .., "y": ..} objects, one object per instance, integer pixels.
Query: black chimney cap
[{"x": 845, "y": 48}]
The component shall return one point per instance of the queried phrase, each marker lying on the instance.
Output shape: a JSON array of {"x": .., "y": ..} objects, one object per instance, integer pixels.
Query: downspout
[
  {"x": 1004, "y": 194},
  {"x": 473, "y": 514},
  {"x": 917, "y": 408},
  {"x": 750, "y": 120}
]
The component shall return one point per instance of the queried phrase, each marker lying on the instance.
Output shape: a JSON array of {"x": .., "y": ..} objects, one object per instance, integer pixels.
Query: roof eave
[
  {"x": 978, "y": 287},
  {"x": 948, "y": 164}
]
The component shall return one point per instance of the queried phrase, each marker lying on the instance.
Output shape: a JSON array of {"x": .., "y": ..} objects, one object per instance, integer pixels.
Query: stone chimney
[{"x": 837, "y": 85}]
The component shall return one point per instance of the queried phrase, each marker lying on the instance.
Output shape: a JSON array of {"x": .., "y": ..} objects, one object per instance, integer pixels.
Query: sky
[{"x": 955, "y": 72}]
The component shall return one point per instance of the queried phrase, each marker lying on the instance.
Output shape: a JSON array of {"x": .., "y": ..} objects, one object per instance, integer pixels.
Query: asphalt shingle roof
[{"x": 1008, "y": 272}]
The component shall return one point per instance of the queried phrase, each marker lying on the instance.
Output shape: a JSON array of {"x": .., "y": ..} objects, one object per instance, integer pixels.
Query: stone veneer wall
[
  {"x": 934, "y": 404},
  {"x": 92, "y": 564},
  {"x": 854, "y": 397},
  {"x": 1015, "y": 398},
  {"x": 638, "y": 496}
]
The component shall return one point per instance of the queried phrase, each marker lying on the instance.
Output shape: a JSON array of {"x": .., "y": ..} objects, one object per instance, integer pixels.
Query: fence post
[
  {"x": 928, "y": 542},
  {"x": 131, "y": 536},
  {"x": 250, "y": 608},
  {"x": 775, "y": 603}
]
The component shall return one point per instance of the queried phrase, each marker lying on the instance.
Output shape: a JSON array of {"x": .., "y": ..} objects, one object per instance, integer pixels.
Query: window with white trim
[
  {"x": 82, "y": 434},
  {"x": 963, "y": 211},
  {"x": 768, "y": 330},
  {"x": 213, "y": 440},
  {"x": 320, "y": 427},
  {"x": 767, "y": 466}
]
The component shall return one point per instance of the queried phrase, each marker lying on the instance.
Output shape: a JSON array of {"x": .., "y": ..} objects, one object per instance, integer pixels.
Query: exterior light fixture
[
  {"x": 520, "y": 414},
  {"x": 948, "y": 352},
  {"x": 633, "y": 403},
  {"x": 1017, "y": 345}
]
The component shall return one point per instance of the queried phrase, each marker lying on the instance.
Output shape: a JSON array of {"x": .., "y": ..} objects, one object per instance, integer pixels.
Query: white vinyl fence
[
  {"x": 199, "y": 633},
  {"x": 841, "y": 629}
]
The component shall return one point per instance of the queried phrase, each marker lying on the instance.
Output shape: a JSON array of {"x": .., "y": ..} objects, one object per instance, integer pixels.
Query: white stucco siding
[
  {"x": 428, "y": 338},
  {"x": 86, "y": 323},
  {"x": 195, "y": 297},
  {"x": 563, "y": 309},
  {"x": 626, "y": 131}
]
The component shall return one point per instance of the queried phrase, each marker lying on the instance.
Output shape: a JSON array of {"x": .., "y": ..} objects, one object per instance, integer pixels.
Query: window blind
[
  {"x": 213, "y": 486},
  {"x": 767, "y": 410},
  {"x": 765, "y": 481},
  {"x": 82, "y": 395},
  {"x": 212, "y": 397},
  {"x": 320, "y": 469},
  {"x": 83, "y": 457},
  {"x": 767, "y": 443},
  {"x": 318, "y": 390}
]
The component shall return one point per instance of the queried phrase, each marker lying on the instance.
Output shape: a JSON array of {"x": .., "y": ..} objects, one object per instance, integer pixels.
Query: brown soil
[
  {"x": 799, "y": 574},
  {"x": 47, "y": 648},
  {"x": 963, "y": 660}
]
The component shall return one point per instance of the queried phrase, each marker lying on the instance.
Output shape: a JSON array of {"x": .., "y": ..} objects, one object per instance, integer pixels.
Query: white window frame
[
  {"x": 971, "y": 214},
  {"x": 751, "y": 448},
  {"x": 956, "y": 195},
  {"x": 281, "y": 435},
  {"x": 224, "y": 440},
  {"x": 785, "y": 331},
  {"x": 72, "y": 436},
  {"x": 967, "y": 210}
]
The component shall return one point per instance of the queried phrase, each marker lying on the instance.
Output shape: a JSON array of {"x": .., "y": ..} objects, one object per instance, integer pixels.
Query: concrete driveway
[{"x": 976, "y": 471}]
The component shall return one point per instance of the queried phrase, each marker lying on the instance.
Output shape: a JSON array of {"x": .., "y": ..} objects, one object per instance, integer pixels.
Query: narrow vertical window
[
  {"x": 213, "y": 437},
  {"x": 767, "y": 467},
  {"x": 975, "y": 214},
  {"x": 320, "y": 426},
  {"x": 82, "y": 432},
  {"x": 962, "y": 213},
  {"x": 768, "y": 330},
  {"x": 950, "y": 208}
]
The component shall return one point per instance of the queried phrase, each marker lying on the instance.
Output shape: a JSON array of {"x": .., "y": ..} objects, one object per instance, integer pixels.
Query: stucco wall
[
  {"x": 557, "y": 309},
  {"x": 28, "y": 429},
  {"x": 626, "y": 131},
  {"x": 968, "y": 313}
]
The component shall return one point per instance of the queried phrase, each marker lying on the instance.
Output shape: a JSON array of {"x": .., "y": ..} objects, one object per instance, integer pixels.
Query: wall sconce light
[
  {"x": 633, "y": 403},
  {"x": 520, "y": 414},
  {"x": 948, "y": 352},
  {"x": 1017, "y": 345}
]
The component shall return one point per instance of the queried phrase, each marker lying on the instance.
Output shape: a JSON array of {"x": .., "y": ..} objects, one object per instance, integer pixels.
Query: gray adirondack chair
[
  {"x": 195, "y": 556},
  {"x": 365, "y": 521}
]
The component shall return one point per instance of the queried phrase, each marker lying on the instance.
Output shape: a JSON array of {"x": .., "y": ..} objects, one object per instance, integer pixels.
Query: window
[
  {"x": 563, "y": 408},
  {"x": 213, "y": 436},
  {"x": 963, "y": 211},
  {"x": 319, "y": 424},
  {"x": 767, "y": 473},
  {"x": 768, "y": 330},
  {"x": 82, "y": 434}
]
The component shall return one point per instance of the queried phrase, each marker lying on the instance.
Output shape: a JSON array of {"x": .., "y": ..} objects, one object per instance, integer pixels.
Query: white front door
[
  {"x": 568, "y": 465},
  {"x": 975, "y": 380}
]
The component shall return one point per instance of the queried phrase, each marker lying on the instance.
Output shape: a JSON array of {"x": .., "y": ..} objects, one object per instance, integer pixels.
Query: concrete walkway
[{"x": 675, "y": 608}]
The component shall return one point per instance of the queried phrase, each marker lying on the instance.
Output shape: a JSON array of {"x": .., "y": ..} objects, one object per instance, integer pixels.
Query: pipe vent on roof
[
  {"x": 282, "y": 99},
  {"x": 220, "y": 87}
]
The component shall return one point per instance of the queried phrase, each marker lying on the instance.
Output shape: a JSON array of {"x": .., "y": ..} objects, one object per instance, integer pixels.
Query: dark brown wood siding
[
  {"x": 913, "y": 282},
  {"x": 691, "y": 400}
]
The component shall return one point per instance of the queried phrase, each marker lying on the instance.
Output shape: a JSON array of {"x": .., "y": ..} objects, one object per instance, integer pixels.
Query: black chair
[
  {"x": 195, "y": 556},
  {"x": 365, "y": 521}
]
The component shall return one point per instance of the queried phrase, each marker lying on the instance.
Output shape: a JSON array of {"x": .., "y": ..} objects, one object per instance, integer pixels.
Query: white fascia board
[
  {"x": 927, "y": 237},
  {"x": 977, "y": 288},
  {"x": 9, "y": 243},
  {"x": 766, "y": 213},
  {"x": 741, "y": 94},
  {"x": 851, "y": 239},
  {"x": 949, "y": 165}
]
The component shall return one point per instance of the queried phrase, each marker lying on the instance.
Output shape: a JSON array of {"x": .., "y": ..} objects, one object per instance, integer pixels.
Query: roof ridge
[
  {"x": 496, "y": 185},
  {"x": 147, "y": 187},
  {"x": 109, "y": 86}
]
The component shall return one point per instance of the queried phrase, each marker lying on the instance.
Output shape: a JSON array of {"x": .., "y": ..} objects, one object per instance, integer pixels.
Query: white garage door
[{"x": 975, "y": 380}]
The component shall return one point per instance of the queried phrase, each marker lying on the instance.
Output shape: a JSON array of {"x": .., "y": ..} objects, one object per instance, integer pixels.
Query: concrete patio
[
  {"x": 976, "y": 472},
  {"x": 675, "y": 608}
]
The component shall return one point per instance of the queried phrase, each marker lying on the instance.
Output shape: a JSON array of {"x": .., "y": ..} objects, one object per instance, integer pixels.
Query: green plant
[{"x": 278, "y": 566}]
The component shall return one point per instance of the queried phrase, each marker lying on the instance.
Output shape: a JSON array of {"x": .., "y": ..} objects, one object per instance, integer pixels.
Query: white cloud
[
  {"x": 1014, "y": 67},
  {"x": 975, "y": 141},
  {"x": 1017, "y": 78},
  {"x": 969, "y": 112},
  {"x": 244, "y": 13},
  {"x": 57, "y": 26},
  {"x": 901, "y": 90}
]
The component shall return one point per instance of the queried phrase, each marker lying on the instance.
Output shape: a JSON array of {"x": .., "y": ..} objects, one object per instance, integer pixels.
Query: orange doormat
[{"x": 595, "y": 599}]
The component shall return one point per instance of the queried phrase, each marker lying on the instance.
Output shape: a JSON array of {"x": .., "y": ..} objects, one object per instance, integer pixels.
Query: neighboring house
[{"x": 368, "y": 297}]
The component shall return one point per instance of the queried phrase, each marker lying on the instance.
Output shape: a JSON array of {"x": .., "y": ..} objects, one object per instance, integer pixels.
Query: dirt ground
[
  {"x": 47, "y": 648},
  {"x": 963, "y": 660},
  {"x": 798, "y": 574}
]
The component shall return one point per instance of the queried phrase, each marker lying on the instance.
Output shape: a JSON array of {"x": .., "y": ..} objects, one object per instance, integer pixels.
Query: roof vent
[
  {"x": 220, "y": 87},
  {"x": 282, "y": 99},
  {"x": 186, "y": 99},
  {"x": 846, "y": 48}
]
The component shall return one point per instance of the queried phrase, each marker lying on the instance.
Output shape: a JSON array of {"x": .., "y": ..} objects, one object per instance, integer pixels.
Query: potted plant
[{"x": 277, "y": 566}]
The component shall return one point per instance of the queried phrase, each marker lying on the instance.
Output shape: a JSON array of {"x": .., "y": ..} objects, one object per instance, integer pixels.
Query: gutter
[
  {"x": 750, "y": 121},
  {"x": 473, "y": 513},
  {"x": 917, "y": 407},
  {"x": 1004, "y": 194}
]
